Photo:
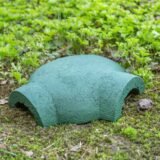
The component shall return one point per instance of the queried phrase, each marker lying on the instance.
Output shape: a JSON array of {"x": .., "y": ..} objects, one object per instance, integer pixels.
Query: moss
[{"x": 130, "y": 132}]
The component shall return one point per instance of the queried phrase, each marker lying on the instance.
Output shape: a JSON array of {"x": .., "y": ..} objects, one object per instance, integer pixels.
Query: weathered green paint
[{"x": 77, "y": 89}]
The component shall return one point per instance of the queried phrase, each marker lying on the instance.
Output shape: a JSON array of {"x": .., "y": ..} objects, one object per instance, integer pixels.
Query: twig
[
  {"x": 155, "y": 89},
  {"x": 48, "y": 147}
]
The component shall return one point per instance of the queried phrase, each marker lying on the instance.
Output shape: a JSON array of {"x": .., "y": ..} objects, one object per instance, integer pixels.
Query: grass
[{"x": 35, "y": 32}]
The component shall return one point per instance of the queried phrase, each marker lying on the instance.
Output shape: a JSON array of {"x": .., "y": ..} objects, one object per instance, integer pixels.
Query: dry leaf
[
  {"x": 3, "y": 101},
  {"x": 3, "y": 82},
  {"x": 76, "y": 148},
  {"x": 28, "y": 153},
  {"x": 2, "y": 146}
]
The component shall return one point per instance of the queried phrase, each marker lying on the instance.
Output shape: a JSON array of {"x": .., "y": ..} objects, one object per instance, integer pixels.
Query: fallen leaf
[
  {"x": 43, "y": 157},
  {"x": 3, "y": 101},
  {"x": 3, "y": 82},
  {"x": 28, "y": 153},
  {"x": 76, "y": 147},
  {"x": 3, "y": 146}
]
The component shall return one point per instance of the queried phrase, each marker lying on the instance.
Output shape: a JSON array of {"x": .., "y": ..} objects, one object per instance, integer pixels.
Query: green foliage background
[{"x": 34, "y": 32}]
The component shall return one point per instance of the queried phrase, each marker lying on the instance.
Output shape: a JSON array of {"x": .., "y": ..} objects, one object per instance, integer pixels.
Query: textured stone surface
[
  {"x": 144, "y": 104},
  {"x": 77, "y": 89}
]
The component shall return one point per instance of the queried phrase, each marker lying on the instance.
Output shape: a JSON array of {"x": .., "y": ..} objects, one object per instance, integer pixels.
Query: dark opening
[
  {"x": 23, "y": 111},
  {"x": 21, "y": 106},
  {"x": 133, "y": 92}
]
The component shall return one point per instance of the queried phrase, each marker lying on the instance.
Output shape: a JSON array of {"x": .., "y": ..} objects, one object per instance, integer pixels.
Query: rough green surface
[{"x": 77, "y": 89}]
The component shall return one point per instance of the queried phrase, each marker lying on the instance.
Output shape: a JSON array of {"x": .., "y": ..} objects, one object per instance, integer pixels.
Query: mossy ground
[{"x": 20, "y": 136}]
